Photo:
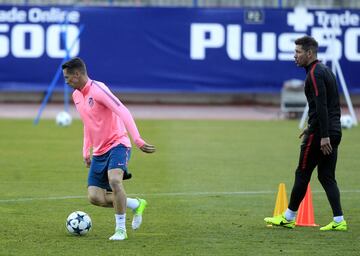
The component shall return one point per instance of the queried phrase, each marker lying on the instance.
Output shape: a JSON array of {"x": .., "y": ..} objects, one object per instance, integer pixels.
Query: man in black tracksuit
[{"x": 320, "y": 139}]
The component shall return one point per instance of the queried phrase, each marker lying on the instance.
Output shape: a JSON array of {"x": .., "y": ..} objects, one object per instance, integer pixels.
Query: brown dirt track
[{"x": 192, "y": 112}]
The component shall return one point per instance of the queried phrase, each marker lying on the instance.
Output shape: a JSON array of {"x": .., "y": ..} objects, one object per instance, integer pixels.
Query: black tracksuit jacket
[{"x": 322, "y": 94}]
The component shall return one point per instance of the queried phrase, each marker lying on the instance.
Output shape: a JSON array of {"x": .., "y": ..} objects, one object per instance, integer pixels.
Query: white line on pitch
[
  {"x": 39, "y": 198},
  {"x": 161, "y": 195}
]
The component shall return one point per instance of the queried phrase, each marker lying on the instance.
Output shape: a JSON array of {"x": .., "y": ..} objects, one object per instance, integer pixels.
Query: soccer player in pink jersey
[{"x": 107, "y": 123}]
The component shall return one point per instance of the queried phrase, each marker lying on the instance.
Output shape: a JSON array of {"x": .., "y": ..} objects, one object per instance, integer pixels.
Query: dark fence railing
[{"x": 195, "y": 3}]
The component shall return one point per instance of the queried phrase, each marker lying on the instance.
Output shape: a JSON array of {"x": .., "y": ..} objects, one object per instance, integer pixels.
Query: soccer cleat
[
  {"x": 138, "y": 212},
  {"x": 120, "y": 234},
  {"x": 127, "y": 175},
  {"x": 334, "y": 226},
  {"x": 280, "y": 220}
]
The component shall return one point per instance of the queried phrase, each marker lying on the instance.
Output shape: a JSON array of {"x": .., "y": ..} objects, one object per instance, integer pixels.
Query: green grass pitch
[{"x": 209, "y": 186}]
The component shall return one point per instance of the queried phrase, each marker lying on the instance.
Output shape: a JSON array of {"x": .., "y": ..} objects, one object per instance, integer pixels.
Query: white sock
[
  {"x": 338, "y": 219},
  {"x": 120, "y": 221},
  {"x": 132, "y": 203},
  {"x": 289, "y": 214}
]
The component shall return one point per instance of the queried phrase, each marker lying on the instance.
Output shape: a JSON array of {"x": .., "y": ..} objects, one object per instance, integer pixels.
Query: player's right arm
[
  {"x": 86, "y": 140},
  {"x": 303, "y": 133},
  {"x": 87, "y": 147}
]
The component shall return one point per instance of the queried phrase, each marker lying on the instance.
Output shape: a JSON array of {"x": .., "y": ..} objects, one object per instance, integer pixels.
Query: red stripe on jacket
[{"x": 313, "y": 80}]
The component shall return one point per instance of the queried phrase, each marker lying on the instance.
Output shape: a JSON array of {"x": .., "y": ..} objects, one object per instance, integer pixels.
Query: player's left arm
[
  {"x": 320, "y": 94},
  {"x": 107, "y": 98}
]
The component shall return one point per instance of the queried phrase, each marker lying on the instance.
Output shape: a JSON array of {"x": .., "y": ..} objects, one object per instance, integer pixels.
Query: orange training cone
[
  {"x": 281, "y": 200},
  {"x": 305, "y": 215}
]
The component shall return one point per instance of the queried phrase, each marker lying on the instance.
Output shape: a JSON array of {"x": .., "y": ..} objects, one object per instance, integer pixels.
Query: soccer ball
[
  {"x": 346, "y": 121},
  {"x": 63, "y": 119},
  {"x": 78, "y": 223}
]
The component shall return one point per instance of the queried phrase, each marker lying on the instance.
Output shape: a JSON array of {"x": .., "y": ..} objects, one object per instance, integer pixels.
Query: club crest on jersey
[{"x": 91, "y": 101}]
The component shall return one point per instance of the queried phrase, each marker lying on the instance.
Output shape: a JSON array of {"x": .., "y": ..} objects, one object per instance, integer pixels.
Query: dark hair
[
  {"x": 75, "y": 64},
  {"x": 308, "y": 43}
]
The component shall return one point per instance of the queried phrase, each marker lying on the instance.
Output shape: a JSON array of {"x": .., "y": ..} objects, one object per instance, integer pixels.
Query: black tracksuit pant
[{"x": 310, "y": 157}]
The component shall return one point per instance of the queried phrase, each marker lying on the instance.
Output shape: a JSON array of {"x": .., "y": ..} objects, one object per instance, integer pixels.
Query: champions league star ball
[
  {"x": 63, "y": 119},
  {"x": 78, "y": 223},
  {"x": 346, "y": 121}
]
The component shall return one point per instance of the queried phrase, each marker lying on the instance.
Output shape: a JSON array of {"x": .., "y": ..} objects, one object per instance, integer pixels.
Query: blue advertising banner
[{"x": 173, "y": 49}]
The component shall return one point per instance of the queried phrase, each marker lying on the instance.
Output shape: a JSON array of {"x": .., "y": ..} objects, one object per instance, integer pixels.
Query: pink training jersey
[{"x": 106, "y": 120}]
